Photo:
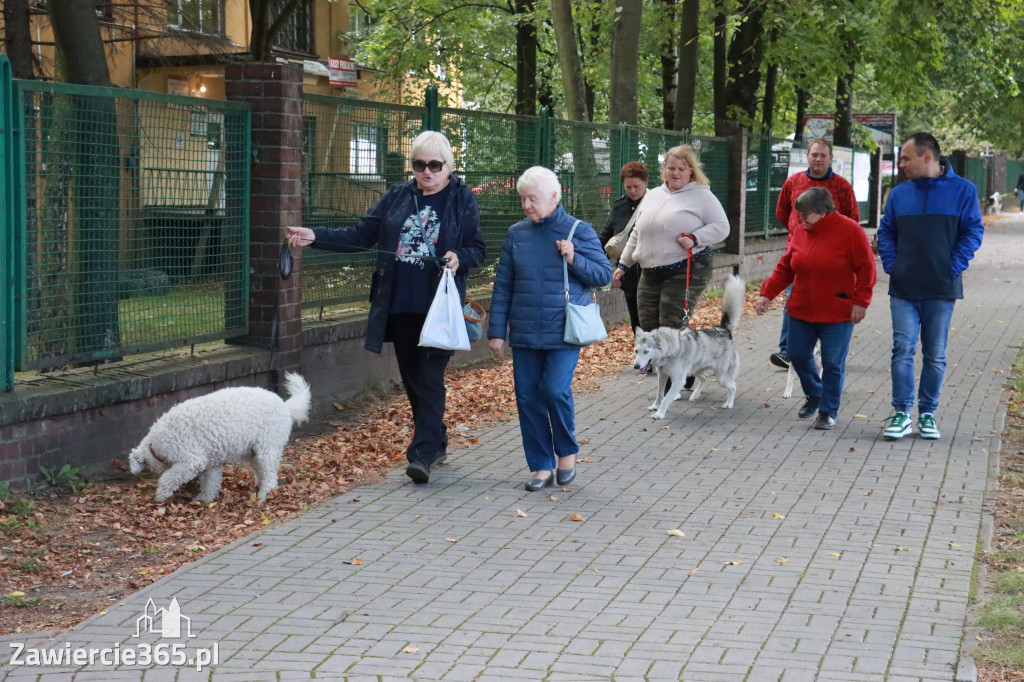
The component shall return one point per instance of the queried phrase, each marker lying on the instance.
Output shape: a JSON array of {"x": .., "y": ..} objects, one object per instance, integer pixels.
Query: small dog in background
[
  {"x": 995, "y": 204},
  {"x": 678, "y": 353},
  {"x": 240, "y": 424}
]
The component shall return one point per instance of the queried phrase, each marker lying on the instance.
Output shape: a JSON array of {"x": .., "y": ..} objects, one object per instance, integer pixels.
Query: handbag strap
[{"x": 565, "y": 264}]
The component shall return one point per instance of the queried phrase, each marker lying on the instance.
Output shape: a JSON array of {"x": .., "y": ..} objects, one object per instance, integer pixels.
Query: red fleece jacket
[{"x": 831, "y": 268}]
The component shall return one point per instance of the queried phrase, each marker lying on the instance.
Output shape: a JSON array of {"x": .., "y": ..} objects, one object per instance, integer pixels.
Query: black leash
[{"x": 284, "y": 258}]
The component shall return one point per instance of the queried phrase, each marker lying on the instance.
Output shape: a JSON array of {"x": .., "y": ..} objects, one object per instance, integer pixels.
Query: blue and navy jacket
[
  {"x": 381, "y": 226},
  {"x": 930, "y": 231},
  {"x": 529, "y": 298}
]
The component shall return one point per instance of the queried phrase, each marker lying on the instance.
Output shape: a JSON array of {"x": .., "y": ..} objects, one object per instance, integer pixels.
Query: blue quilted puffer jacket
[{"x": 529, "y": 299}]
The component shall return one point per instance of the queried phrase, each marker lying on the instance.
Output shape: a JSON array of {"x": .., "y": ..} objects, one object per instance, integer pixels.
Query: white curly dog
[{"x": 239, "y": 424}]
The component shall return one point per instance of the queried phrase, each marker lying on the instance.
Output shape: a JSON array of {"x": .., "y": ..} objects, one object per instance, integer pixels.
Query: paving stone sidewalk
[{"x": 806, "y": 555}]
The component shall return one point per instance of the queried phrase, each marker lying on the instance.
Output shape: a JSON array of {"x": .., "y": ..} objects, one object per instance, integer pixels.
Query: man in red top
[{"x": 819, "y": 173}]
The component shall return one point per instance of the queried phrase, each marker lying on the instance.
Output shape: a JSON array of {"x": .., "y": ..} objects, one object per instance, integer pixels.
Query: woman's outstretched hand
[{"x": 300, "y": 236}]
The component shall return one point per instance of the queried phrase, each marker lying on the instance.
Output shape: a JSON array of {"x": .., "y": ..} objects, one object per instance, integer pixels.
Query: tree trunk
[
  {"x": 18, "y": 36},
  {"x": 688, "y": 60},
  {"x": 843, "y": 135},
  {"x": 669, "y": 69},
  {"x": 745, "y": 52},
  {"x": 768, "y": 105},
  {"x": 76, "y": 31},
  {"x": 585, "y": 197},
  {"x": 720, "y": 76},
  {"x": 803, "y": 97},
  {"x": 526, "y": 60},
  {"x": 95, "y": 173},
  {"x": 623, "y": 105},
  {"x": 569, "y": 61}
]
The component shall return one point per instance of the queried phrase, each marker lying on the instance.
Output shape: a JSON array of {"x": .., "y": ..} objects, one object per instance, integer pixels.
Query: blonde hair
[
  {"x": 685, "y": 153},
  {"x": 430, "y": 142}
]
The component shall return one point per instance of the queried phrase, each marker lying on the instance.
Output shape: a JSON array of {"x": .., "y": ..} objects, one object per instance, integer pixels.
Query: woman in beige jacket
[{"x": 680, "y": 218}]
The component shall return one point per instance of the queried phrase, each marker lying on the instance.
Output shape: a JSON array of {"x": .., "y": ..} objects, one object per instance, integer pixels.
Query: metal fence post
[
  {"x": 8, "y": 228},
  {"x": 432, "y": 116},
  {"x": 545, "y": 151}
]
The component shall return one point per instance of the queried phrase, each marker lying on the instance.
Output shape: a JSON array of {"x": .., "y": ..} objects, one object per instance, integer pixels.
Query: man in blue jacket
[{"x": 930, "y": 231}]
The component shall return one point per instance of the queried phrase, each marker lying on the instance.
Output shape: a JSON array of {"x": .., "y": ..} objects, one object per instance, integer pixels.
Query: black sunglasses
[{"x": 434, "y": 166}]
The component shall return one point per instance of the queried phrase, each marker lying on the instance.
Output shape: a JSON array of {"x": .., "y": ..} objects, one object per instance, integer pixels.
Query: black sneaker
[
  {"x": 418, "y": 472},
  {"x": 780, "y": 359},
  {"x": 824, "y": 422},
  {"x": 809, "y": 408}
]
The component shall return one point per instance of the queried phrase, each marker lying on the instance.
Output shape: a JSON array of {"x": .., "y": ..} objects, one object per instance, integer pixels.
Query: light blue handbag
[{"x": 583, "y": 323}]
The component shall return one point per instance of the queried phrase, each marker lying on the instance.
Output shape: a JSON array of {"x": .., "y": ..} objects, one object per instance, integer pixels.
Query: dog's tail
[
  {"x": 732, "y": 302},
  {"x": 299, "y": 398}
]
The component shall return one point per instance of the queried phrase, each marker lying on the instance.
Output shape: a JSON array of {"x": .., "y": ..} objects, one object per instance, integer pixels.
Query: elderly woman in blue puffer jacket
[{"x": 529, "y": 304}]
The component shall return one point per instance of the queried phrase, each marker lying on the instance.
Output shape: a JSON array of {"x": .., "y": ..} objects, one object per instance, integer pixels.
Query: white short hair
[
  {"x": 541, "y": 180},
  {"x": 431, "y": 143}
]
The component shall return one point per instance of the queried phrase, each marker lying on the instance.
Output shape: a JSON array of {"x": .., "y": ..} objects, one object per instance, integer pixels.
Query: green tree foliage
[{"x": 938, "y": 65}]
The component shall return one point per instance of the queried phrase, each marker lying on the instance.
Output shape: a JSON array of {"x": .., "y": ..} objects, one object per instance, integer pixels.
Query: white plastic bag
[{"x": 445, "y": 326}]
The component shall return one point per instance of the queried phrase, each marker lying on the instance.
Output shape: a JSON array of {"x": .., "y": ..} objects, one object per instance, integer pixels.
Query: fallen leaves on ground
[{"x": 73, "y": 554}]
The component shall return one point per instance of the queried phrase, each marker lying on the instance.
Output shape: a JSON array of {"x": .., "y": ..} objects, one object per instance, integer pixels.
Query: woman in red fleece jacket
[{"x": 832, "y": 270}]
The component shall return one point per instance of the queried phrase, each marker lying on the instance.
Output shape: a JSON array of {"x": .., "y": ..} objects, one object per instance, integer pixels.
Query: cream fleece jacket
[{"x": 664, "y": 215}]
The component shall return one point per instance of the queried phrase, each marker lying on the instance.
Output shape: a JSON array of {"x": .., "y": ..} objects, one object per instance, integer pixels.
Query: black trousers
[{"x": 422, "y": 371}]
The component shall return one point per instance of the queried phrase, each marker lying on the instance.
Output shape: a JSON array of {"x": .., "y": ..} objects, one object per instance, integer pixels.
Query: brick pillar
[{"x": 274, "y": 92}]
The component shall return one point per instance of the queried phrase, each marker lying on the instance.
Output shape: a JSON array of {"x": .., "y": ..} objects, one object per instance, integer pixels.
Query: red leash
[{"x": 686, "y": 302}]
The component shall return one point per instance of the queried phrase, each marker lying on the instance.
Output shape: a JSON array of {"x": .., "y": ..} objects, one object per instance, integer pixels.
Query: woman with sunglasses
[{"x": 434, "y": 214}]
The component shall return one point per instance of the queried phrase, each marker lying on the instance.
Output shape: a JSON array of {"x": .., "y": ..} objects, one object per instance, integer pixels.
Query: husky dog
[{"x": 676, "y": 354}]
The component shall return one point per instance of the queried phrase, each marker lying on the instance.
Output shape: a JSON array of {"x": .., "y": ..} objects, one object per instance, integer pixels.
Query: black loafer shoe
[
  {"x": 535, "y": 484},
  {"x": 418, "y": 472},
  {"x": 809, "y": 408},
  {"x": 565, "y": 476},
  {"x": 824, "y": 422}
]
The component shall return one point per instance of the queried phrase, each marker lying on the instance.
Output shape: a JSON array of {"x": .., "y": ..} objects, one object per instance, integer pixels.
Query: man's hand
[{"x": 857, "y": 313}]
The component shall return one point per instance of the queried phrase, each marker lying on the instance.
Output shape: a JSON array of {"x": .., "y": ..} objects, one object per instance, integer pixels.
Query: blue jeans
[
  {"x": 784, "y": 335},
  {"x": 930, "y": 319},
  {"x": 826, "y": 387},
  {"x": 547, "y": 416}
]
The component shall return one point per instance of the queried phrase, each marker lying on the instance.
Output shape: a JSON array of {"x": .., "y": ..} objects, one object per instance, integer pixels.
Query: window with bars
[
  {"x": 201, "y": 16},
  {"x": 297, "y": 33}
]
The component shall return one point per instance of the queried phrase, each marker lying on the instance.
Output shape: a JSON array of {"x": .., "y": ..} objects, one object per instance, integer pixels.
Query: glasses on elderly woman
[{"x": 419, "y": 165}]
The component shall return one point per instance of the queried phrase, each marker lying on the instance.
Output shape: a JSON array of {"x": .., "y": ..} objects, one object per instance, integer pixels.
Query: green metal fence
[
  {"x": 976, "y": 170},
  {"x": 491, "y": 152},
  {"x": 131, "y": 223},
  {"x": 355, "y": 148},
  {"x": 767, "y": 170},
  {"x": 1013, "y": 171},
  {"x": 352, "y": 150}
]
